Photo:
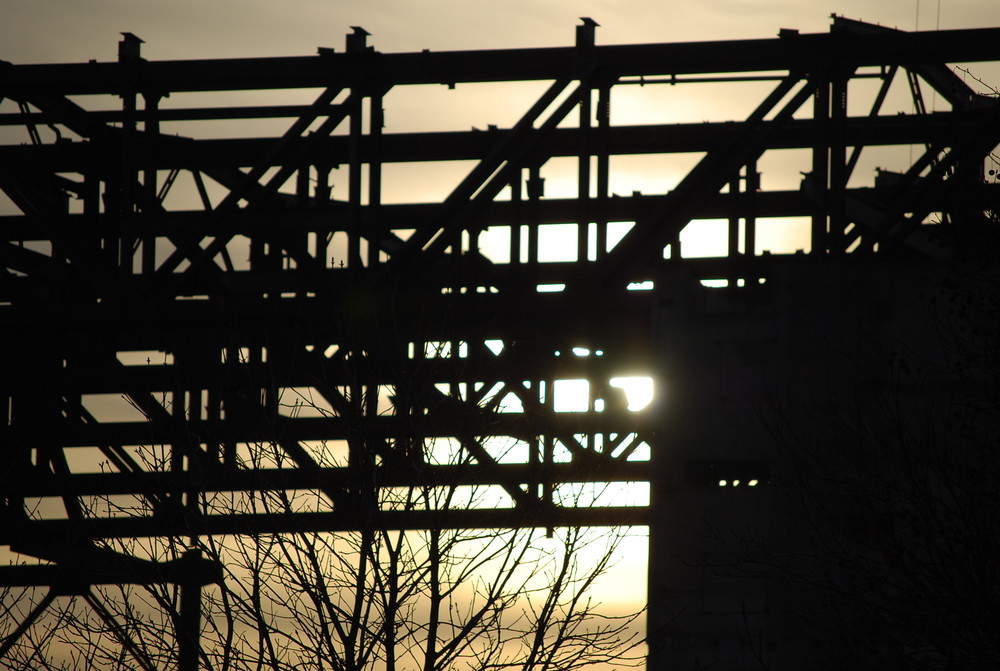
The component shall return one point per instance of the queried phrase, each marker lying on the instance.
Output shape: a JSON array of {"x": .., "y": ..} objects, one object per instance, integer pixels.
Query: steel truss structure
[{"x": 294, "y": 308}]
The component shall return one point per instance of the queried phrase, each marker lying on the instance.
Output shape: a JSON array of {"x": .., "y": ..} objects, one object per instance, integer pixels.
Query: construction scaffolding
[{"x": 205, "y": 292}]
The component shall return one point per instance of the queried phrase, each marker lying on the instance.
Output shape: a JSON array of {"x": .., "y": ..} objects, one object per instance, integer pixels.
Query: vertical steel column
[
  {"x": 91, "y": 195},
  {"x": 751, "y": 186},
  {"x": 373, "y": 223},
  {"x": 734, "y": 217},
  {"x": 585, "y": 43},
  {"x": 178, "y": 414},
  {"x": 189, "y": 624},
  {"x": 60, "y": 467},
  {"x": 8, "y": 457},
  {"x": 302, "y": 184},
  {"x": 603, "y": 168},
  {"x": 362, "y": 395},
  {"x": 583, "y": 175},
  {"x": 356, "y": 42},
  {"x": 516, "y": 191},
  {"x": 151, "y": 131},
  {"x": 820, "y": 164},
  {"x": 548, "y": 443},
  {"x": 836, "y": 202},
  {"x": 35, "y": 411},
  {"x": 820, "y": 174},
  {"x": 213, "y": 416},
  {"x": 321, "y": 198},
  {"x": 373, "y": 234},
  {"x": 194, "y": 400},
  {"x": 128, "y": 61},
  {"x": 536, "y": 189},
  {"x": 354, "y": 182}
]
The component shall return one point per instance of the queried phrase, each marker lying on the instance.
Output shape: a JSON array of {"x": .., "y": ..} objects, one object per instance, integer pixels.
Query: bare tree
[{"x": 374, "y": 598}]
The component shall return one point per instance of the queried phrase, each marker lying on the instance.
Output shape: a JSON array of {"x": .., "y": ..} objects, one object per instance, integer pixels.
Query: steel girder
[
  {"x": 106, "y": 268},
  {"x": 286, "y": 319}
]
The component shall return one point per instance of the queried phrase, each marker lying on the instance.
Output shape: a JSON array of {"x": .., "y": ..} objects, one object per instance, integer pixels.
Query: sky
[{"x": 79, "y": 30}]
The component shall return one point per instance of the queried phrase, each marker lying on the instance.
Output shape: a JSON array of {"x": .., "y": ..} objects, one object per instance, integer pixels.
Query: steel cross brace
[
  {"x": 888, "y": 224},
  {"x": 662, "y": 225},
  {"x": 484, "y": 182},
  {"x": 278, "y": 154}
]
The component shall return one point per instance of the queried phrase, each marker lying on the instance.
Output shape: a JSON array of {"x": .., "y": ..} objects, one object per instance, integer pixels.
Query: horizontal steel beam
[
  {"x": 309, "y": 371},
  {"x": 335, "y": 217},
  {"x": 174, "y": 114},
  {"x": 286, "y": 479},
  {"x": 801, "y": 52},
  {"x": 76, "y": 577},
  {"x": 332, "y": 217},
  {"x": 169, "y": 152},
  {"x": 263, "y": 429},
  {"x": 237, "y": 523},
  {"x": 519, "y": 311}
]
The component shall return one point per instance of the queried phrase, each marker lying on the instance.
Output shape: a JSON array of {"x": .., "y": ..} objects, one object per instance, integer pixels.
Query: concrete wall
[{"x": 815, "y": 334}]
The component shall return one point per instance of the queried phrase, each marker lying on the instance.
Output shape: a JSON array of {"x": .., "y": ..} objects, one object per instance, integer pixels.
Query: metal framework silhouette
[{"x": 289, "y": 278}]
